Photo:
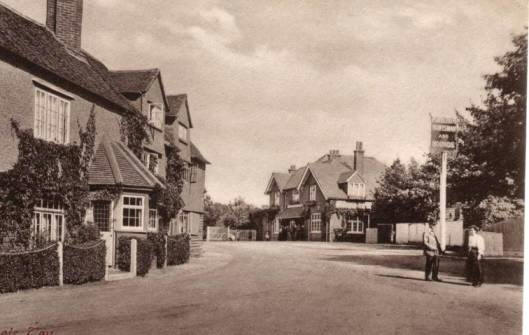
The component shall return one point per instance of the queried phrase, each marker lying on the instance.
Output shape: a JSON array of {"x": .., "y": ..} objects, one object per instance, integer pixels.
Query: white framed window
[
  {"x": 153, "y": 219},
  {"x": 132, "y": 212},
  {"x": 52, "y": 117},
  {"x": 312, "y": 193},
  {"x": 277, "y": 198},
  {"x": 182, "y": 132},
  {"x": 295, "y": 197},
  {"x": 357, "y": 189},
  {"x": 355, "y": 226},
  {"x": 184, "y": 222},
  {"x": 48, "y": 220},
  {"x": 151, "y": 162},
  {"x": 315, "y": 222},
  {"x": 156, "y": 115}
]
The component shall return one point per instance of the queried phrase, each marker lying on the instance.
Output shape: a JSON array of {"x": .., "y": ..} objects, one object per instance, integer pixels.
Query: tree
[
  {"x": 238, "y": 213},
  {"x": 489, "y": 168},
  {"x": 406, "y": 194}
]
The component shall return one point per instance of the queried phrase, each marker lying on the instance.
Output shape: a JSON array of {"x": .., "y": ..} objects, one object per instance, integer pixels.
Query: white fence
[
  {"x": 413, "y": 233},
  {"x": 226, "y": 234}
]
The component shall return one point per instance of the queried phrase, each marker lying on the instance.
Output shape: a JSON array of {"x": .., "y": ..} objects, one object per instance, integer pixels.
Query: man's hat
[{"x": 476, "y": 228}]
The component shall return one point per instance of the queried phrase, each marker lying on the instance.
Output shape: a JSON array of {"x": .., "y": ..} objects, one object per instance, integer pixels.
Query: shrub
[
  {"x": 158, "y": 245},
  {"x": 84, "y": 233},
  {"x": 31, "y": 269},
  {"x": 84, "y": 263},
  {"x": 178, "y": 249},
  {"x": 144, "y": 255}
]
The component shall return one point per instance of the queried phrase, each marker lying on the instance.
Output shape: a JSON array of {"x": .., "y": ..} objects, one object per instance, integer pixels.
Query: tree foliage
[{"x": 234, "y": 214}]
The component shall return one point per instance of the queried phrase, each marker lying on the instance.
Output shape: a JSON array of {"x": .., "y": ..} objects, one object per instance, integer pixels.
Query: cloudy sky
[{"x": 280, "y": 82}]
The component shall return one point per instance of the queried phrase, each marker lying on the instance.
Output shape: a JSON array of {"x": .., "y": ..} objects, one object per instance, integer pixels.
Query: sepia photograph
[{"x": 262, "y": 167}]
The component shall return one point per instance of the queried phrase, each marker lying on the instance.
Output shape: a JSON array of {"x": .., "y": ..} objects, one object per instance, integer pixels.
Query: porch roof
[
  {"x": 115, "y": 164},
  {"x": 291, "y": 213}
]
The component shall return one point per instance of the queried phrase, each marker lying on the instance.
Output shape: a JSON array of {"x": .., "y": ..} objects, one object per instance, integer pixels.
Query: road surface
[{"x": 274, "y": 288}]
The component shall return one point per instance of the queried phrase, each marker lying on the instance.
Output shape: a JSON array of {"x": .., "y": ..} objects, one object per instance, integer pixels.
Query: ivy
[
  {"x": 133, "y": 132},
  {"x": 45, "y": 170},
  {"x": 169, "y": 200}
]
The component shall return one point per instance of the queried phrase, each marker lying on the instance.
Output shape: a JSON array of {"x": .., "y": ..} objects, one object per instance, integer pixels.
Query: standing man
[
  {"x": 476, "y": 250},
  {"x": 432, "y": 248}
]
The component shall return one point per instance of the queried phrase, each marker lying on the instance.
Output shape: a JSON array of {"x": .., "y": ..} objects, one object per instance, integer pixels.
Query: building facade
[
  {"x": 326, "y": 200},
  {"x": 49, "y": 84}
]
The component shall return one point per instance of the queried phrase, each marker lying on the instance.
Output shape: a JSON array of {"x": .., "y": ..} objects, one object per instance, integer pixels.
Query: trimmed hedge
[
  {"x": 158, "y": 245},
  {"x": 84, "y": 263},
  {"x": 178, "y": 249},
  {"x": 144, "y": 255},
  {"x": 31, "y": 269}
]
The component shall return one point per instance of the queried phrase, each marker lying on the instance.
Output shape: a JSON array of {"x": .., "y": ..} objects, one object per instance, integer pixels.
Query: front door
[{"x": 103, "y": 219}]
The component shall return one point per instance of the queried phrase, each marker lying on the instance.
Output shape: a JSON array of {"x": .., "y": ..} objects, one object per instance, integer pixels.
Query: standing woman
[{"x": 476, "y": 250}]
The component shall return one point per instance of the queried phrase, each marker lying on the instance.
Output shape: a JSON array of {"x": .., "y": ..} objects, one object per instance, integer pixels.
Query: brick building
[
  {"x": 48, "y": 83},
  {"x": 304, "y": 202}
]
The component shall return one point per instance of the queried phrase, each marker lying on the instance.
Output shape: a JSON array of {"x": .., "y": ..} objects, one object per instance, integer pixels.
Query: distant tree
[
  {"x": 213, "y": 211},
  {"x": 238, "y": 213}
]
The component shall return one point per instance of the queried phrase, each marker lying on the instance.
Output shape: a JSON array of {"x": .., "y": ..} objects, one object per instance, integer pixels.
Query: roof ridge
[
  {"x": 138, "y": 70},
  {"x": 43, "y": 25}
]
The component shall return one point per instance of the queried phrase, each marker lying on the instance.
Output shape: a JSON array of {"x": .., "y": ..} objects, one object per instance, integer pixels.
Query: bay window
[{"x": 132, "y": 212}]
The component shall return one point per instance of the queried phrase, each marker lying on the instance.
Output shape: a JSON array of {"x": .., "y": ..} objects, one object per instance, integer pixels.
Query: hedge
[
  {"x": 178, "y": 249},
  {"x": 158, "y": 244},
  {"x": 31, "y": 269},
  {"x": 84, "y": 263},
  {"x": 144, "y": 255}
]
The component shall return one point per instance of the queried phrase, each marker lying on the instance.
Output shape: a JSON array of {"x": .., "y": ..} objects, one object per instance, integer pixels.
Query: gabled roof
[
  {"x": 134, "y": 81},
  {"x": 373, "y": 171},
  {"x": 326, "y": 175},
  {"x": 196, "y": 154},
  {"x": 295, "y": 178},
  {"x": 30, "y": 43},
  {"x": 175, "y": 103},
  {"x": 280, "y": 179},
  {"x": 115, "y": 164}
]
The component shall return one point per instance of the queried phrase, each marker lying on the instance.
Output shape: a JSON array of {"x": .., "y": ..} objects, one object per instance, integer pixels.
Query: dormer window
[
  {"x": 357, "y": 190},
  {"x": 182, "y": 132},
  {"x": 156, "y": 115}
]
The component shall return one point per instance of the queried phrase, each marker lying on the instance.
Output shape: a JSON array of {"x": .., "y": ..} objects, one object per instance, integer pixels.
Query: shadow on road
[
  {"x": 418, "y": 279},
  {"x": 497, "y": 271}
]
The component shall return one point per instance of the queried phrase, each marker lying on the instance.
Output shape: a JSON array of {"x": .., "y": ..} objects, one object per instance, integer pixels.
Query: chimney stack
[
  {"x": 359, "y": 158},
  {"x": 292, "y": 169},
  {"x": 65, "y": 19},
  {"x": 333, "y": 154}
]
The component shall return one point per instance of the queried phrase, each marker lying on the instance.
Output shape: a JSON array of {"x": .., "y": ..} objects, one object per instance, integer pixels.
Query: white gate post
[
  {"x": 133, "y": 257},
  {"x": 207, "y": 233},
  {"x": 61, "y": 262}
]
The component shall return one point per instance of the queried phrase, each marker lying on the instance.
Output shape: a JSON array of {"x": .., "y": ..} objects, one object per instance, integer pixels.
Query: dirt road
[{"x": 275, "y": 288}]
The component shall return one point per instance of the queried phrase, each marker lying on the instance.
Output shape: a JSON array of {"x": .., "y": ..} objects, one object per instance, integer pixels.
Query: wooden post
[
  {"x": 134, "y": 257},
  {"x": 165, "y": 246},
  {"x": 60, "y": 252},
  {"x": 442, "y": 200},
  {"x": 207, "y": 233}
]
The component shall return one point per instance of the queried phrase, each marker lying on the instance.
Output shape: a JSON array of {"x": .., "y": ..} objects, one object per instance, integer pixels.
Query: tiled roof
[
  {"x": 175, "y": 102},
  {"x": 373, "y": 171},
  {"x": 291, "y": 213},
  {"x": 115, "y": 164},
  {"x": 281, "y": 179},
  {"x": 196, "y": 154},
  {"x": 134, "y": 81},
  {"x": 27, "y": 41},
  {"x": 327, "y": 175},
  {"x": 295, "y": 178}
]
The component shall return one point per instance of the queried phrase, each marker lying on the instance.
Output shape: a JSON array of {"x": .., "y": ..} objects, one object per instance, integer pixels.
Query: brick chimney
[
  {"x": 334, "y": 154},
  {"x": 292, "y": 169},
  {"x": 359, "y": 158},
  {"x": 65, "y": 19}
]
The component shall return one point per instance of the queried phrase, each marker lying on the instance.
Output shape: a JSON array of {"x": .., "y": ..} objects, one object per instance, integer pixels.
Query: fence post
[
  {"x": 61, "y": 262},
  {"x": 133, "y": 256},
  {"x": 165, "y": 246},
  {"x": 207, "y": 233}
]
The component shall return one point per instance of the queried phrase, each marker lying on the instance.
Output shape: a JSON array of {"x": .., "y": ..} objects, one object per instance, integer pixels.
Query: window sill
[
  {"x": 355, "y": 233},
  {"x": 133, "y": 229}
]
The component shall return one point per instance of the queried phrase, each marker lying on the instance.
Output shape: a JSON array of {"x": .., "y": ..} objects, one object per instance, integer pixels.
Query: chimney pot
[
  {"x": 358, "y": 146},
  {"x": 65, "y": 19},
  {"x": 292, "y": 168}
]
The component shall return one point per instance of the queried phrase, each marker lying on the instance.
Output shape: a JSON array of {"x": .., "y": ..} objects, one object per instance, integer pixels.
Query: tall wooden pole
[{"x": 442, "y": 200}]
